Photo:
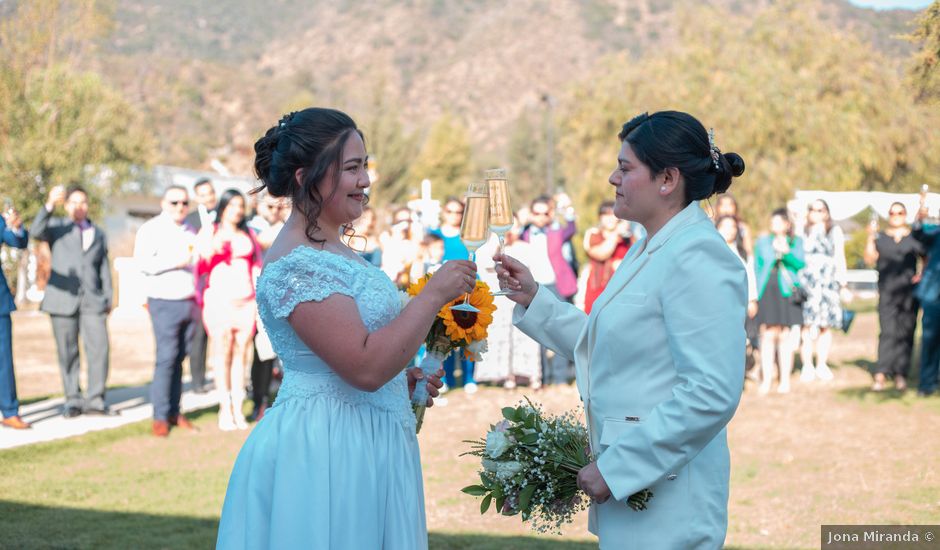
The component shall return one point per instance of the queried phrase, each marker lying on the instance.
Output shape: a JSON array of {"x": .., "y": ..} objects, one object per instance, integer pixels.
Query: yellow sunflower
[
  {"x": 416, "y": 287},
  {"x": 465, "y": 327}
]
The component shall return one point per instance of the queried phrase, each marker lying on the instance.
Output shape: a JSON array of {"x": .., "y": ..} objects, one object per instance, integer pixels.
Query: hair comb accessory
[
  {"x": 286, "y": 119},
  {"x": 713, "y": 150}
]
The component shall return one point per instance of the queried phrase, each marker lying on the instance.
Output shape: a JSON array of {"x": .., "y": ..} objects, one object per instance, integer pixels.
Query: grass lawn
[{"x": 825, "y": 454}]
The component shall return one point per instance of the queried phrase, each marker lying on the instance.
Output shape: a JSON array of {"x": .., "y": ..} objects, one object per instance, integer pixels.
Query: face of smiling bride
[{"x": 345, "y": 203}]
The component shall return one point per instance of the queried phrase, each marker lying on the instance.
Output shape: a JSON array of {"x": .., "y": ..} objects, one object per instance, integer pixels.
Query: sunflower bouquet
[
  {"x": 530, "y": 463},
  {"x": 452, "y": 329}
]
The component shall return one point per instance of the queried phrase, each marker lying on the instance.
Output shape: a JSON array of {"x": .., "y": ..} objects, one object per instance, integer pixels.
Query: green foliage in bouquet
[{"x": 530, "y": 463}]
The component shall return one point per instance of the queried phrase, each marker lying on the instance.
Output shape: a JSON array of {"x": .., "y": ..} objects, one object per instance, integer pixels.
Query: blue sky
[{"x": 889, "y": 4}]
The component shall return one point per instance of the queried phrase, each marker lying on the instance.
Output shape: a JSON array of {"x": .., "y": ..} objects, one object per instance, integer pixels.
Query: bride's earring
[{"x": 662, "y": 189}]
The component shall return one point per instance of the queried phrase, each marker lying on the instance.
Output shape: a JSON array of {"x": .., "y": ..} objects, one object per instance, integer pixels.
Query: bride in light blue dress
[{"x": 335, "y": 463}]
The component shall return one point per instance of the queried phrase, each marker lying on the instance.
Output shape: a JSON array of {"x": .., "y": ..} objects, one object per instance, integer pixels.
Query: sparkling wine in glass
[
  {"x": 500, "y": 210},
  {"x": 475, "y": 228}
]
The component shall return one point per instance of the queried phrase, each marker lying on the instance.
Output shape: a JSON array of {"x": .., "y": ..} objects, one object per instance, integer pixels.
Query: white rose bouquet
[{"x": 530, "y": 463}]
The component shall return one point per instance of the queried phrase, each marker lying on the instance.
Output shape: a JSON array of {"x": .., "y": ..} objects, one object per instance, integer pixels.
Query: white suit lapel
[{"x": 626, "y": 272}]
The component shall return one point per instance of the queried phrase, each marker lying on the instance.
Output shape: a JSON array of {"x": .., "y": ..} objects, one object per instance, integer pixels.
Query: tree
[
  {"x": 925, "y": 72},
  {"x": 817, "y": 109},
  {"x": 390, "y": 147},
  {"x": 59, "y": 125},
  {"x": 527, "y": 152},
  {"x": 446, "y": 158}
]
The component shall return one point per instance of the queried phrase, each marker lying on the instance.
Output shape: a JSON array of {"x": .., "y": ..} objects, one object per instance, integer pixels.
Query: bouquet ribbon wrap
[{"x": 429, "y": 365}]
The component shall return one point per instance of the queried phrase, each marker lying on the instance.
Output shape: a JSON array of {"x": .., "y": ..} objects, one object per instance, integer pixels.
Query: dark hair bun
[
  {"x": 266, "y": 165},
  {"x": 736, "y": 163},
  {"x": 732, "y": 166}
]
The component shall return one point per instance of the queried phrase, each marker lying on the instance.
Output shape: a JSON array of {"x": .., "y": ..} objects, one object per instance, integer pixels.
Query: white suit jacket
[{"x": 660, "y": 368}]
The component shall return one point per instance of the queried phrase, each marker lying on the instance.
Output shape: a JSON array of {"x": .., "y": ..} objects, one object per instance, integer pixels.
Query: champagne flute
[
  {"x": 500, "y": 210},
  {"x": 475, "y": 228}
]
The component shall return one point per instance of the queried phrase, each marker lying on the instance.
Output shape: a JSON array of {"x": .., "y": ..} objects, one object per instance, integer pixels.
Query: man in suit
[
  {"x": 78, "y": 296},
  {"x": 205, "y": 211},
  {"x": 13, "y": 234}
]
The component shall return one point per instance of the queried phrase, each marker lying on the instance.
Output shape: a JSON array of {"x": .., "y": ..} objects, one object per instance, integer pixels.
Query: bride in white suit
[{"x": 660, "y": 359}]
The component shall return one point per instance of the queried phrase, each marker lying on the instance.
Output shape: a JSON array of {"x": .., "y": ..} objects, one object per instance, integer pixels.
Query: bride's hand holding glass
[
  {"x": 515, "y": 276},
  {"x": 454, "y": 279}
]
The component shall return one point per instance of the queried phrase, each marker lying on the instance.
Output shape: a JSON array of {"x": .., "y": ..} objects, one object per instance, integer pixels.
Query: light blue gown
[{"x": 329, "y": 466}]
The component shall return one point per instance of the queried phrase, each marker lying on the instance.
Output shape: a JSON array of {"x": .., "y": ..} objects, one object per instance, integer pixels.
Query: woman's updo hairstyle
[
  {"x": 669, "y": 139},
  {"x": 311, "y": 140}
]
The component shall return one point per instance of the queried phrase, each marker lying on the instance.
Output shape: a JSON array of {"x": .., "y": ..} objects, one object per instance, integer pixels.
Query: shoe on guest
[
  {"x": 72, "y": 412},
  {"x": 470, "y": 388},
  {"x": 258, "y": 412},
  {"x": 443, "y": 389},
  {"x": 161, "y": 428},
  {"x": 509, "y": 384},
  {"x": 879, "y": 383},
  {"x": 808, "y": 373},
  {"x": 927, "y": 393},
  {"x": 181, "y": 421},
  {"x": 103, "y": 411},
  {"x": 200, "y": 390},
  {"x": 16, "y": 423},
  {"x": 900, "y": 383},
  {"x": 824, "y": 372}
]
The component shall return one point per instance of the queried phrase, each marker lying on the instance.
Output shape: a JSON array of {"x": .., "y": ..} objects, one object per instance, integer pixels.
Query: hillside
[{"x": 213, "y": 75}]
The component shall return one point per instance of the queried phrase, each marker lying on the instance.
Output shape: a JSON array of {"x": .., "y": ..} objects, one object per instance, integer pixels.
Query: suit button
[{"x": 671, "y": 477}]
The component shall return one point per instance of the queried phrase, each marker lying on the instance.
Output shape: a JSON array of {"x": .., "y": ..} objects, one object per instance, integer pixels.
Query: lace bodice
[{"x": 307, "y": 274}]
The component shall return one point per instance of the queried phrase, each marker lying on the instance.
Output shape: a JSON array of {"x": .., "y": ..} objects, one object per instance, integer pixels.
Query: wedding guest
[
  {"x": 778, "y": 259},
  {"x": 206, "y": 203},
  {"x": 78, "y": 296},
  {"x": 266, "y": 214},
  {"x": 928, "y": 293},
  {"x": 454, "y": 249},
  {"x": 449, "y": 230},
  {"x": 204, "y": 193},
  {"x": 366, "y": 239},
  {"x": 163, "y": 251},
  {"x": 512, "y": 357},
  {"x": 550, "y": 269},
  {"x": 824, "y": 280},
  {"x": 335, "y": 462},
  {"x": 229, "y": 264},
  {"x": 432, "y": 253},
  {"x": 564, "y": 209},
  {"x": 400, "y": 246},
  {"x": 264, "y": 359},
  {"x": 727, "y": 205},
  {"x": 605, "y": 245},
  {"x": 729, "y": 228},
  {"x": 12, "y": 233},
  {"x": 660, "y": 360},
  {"x": 894, "y": 252}
]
